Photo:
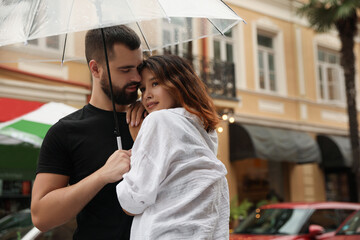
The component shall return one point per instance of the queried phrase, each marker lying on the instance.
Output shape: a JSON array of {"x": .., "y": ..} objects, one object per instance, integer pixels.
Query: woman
[{"x": 176, "y": 187}]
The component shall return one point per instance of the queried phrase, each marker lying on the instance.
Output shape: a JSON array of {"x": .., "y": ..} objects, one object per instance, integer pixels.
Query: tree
[{"x": 323, "y": 15}]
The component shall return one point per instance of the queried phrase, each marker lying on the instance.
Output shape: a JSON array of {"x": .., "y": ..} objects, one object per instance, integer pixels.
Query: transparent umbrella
[{"x": 26, "y": 21}]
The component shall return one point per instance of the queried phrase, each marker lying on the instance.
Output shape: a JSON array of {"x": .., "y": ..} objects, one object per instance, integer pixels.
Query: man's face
[{"x": 125, "y": 78}]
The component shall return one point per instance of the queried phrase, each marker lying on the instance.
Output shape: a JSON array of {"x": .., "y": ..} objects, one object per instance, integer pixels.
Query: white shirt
[{"x": 176, "y": 183}]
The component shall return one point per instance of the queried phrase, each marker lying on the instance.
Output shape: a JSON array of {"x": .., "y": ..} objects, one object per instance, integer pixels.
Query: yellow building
[
  {"x": 29, "y": 72},
  {"x": 288, "y": 133}
]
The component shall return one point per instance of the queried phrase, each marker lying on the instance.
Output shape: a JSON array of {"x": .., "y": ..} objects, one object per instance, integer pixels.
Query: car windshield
[
  {"x": 15, "y": 225},
  {"x": 351, "y": 227},
  {"x": 19, "y": 219},
  {"x": 277, "y": 221}
]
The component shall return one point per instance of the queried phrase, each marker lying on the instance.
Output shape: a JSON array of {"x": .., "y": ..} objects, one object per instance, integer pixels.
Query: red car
[
  {"x": 289, "y": 221},
  {"x": 350, "y": 229}
]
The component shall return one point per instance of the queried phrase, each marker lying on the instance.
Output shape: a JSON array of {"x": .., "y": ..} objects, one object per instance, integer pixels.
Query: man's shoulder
[
  {"x": 70, "y": 119},
  {"x": 77, "y": 115}
]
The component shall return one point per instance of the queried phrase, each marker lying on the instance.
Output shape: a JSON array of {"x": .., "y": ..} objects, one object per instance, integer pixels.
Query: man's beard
[{"x": 121, "y": 97}]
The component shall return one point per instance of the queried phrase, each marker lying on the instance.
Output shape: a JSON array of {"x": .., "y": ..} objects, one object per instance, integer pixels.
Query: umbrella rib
[
  {"x": 233, "y": 11},
  {"x": 216, "y": 27},
  {"x": 63, "y": 52},
  {"x": 138, "y": 25},
  {"x": 142, "y": 34},
  {"x": 229, "y": 7},
  {"x": 65, "y": 40},
  {"x": 162, "y": 8},
  {"x": 31, "y": 20}
]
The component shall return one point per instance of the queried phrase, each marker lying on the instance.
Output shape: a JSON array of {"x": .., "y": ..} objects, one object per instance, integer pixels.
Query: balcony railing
[{"x": 217, "y": 75}]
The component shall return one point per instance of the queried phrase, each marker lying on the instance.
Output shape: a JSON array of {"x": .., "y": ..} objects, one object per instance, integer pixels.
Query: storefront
[
  {"x": 336, "y": 163},
  {"x": 269, "y": 161}
]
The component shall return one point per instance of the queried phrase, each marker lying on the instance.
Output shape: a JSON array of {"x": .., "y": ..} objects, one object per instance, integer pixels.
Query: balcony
[{"x": 219, "y": 76}]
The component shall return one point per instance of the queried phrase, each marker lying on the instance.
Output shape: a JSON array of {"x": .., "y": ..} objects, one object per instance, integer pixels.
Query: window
[
  {"x": 176, "y": 32},
  {"x": 273, "y": 221},
  {"x": 269, "y": 58},
  {"x": 223, "y": 67},
  {"x": 330, "y": 76},
  {"x": 352, "y": 226},
  {"x": 337, "y": 186},
  {"x": 327, "y": 218},
  {"x": 223, "y": 48},
  {"x": 330, "y": 219},
  {"x": 51, "y": 43},
  {"x": 48, "y": 43},
  {"x": 266, "y": 62}
]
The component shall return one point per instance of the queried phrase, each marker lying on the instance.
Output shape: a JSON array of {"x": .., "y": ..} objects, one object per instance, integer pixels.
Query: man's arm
[{"x": 54, "y": 203}]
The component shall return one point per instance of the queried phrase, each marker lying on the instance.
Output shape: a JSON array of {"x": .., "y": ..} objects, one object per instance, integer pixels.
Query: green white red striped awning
[
  {"x": 11, "y": 108},
  {"x": 21, "y": 137},
  {"x": 32, "y": 127}
]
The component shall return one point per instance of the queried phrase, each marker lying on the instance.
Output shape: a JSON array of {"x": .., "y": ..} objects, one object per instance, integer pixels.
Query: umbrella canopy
[
  {"x": 21, "y": 138},
  {"x": 23, "y": 20}
]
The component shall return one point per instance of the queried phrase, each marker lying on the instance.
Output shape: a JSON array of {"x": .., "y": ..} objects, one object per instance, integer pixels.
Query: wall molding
[{"x": 43, "y": 93}]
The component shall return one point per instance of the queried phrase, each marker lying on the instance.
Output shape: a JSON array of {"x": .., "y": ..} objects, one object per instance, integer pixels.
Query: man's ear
[{"x": 94, "y": 68}]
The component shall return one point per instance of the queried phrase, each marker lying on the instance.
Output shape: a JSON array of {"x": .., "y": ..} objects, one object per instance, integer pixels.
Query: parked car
[
  {"x": 289, "y": 221},
  {"x": 19, "y": 226},
  {"x": 15, "y": 224},
  {"x": 350, "y": 229}
]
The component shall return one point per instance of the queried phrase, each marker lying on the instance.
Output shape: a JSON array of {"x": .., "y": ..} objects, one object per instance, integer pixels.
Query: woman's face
[{"x": 154, "y": 95}]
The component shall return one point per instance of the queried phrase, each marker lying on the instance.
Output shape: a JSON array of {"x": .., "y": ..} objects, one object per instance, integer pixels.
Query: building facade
[{"x": 286, "y": 129}]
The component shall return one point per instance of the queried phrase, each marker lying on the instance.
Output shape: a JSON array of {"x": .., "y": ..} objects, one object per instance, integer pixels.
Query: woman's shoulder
[
  {"x": 166, "y": 115},
  {"x": 168, "y": 118}
]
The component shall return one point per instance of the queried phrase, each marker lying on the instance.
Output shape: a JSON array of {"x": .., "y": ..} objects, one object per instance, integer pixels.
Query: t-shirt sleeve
[
  {"x": 53, "y": 157},
  {"x": 152, "y": 153}
]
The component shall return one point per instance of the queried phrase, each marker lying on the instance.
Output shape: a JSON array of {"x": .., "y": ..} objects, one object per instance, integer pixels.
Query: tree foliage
[{"x": 323, "y": 14}]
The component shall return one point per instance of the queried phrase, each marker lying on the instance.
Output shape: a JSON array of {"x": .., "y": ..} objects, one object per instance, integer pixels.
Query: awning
[
  {"x": 335, "y": 151},
  {"x": 274, "y": 144},
  {"x": 21, "y": 137},
  {"x": 33, "y": 126},
  {"x": 11, "y": 108}
]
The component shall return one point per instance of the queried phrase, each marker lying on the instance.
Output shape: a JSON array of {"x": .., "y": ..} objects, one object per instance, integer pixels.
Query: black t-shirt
[{"x": 78, "y": 145}]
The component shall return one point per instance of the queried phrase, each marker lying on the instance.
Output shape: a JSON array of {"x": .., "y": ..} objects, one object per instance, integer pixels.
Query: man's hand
[
  {"x": 54, "y": 202},
  {"x": 115, "y": 167},
  {"x": 134, "y": 117}
]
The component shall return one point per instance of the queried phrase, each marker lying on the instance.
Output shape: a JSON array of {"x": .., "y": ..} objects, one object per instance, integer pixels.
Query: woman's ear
[{"x": 94, "y": 68}]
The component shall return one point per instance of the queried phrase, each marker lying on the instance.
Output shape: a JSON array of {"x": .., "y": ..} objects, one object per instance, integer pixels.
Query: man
[{"x": 79, "y": 165}]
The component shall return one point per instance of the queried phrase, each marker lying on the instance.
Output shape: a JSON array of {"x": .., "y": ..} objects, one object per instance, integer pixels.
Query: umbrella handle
[{"x": 119, "y": 144}]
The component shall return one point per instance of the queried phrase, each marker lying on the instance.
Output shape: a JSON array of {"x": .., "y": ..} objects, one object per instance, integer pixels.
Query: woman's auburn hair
[{"x": 180, "y": 79}]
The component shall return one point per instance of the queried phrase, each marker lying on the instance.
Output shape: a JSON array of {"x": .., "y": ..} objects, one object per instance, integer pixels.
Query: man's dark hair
[{"x": 121, "y": 34}]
